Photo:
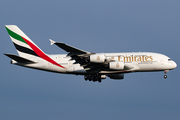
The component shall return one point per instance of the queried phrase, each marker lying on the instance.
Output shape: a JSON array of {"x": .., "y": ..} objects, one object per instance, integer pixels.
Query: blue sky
[{"x": 94, "y": 26}]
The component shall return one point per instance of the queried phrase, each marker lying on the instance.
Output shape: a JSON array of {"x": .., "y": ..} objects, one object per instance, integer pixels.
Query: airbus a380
[{"x": 93, "y": 66}]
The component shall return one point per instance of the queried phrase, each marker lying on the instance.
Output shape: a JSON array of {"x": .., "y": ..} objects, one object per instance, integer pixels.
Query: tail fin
[{"x": 24, "y": 45}]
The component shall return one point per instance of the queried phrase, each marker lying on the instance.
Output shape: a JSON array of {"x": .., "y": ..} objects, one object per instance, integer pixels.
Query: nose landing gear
[{"x": 165, "y": 72}]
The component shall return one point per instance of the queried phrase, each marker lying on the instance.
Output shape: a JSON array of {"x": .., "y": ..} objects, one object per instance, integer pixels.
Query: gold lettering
[
  {"x": 117, "y": 65},
  {"x": 98, "y": 58},
  {"x": 119, "y": 58},
  {"x": 148, "y": 58},
  {"x": 134, "y": 58},
  {"x": 151, "y": 58},
  {"x": 143, "y": 58},
  {"x": 127, "y": 59},
  {"x": 111, "y": 58},
  {"x": 139, "y": 58}
]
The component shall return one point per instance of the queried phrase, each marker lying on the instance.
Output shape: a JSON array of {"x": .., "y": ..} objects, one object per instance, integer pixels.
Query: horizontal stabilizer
[
  {"x": 19, "y": 59},
  {"x": 68, "y": 48}
]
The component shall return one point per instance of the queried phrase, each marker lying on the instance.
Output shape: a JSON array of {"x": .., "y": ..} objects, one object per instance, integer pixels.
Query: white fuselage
[
  {"x": 94, "y": 66},
  {"x": 136, "y": 62}
]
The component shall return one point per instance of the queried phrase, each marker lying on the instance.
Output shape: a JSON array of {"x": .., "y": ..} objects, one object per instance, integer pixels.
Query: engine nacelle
[
  {"x": 116, "y": 65},
  {"x": 97, "y": 58},
  {"x": 116, "y": 76}
]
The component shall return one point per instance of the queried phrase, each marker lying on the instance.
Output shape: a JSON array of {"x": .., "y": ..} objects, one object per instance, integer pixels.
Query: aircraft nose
[{"x": 174, "y": 64}]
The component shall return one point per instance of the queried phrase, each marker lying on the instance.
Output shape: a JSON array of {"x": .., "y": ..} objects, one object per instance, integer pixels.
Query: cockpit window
[{"x": 169, "y": 60}]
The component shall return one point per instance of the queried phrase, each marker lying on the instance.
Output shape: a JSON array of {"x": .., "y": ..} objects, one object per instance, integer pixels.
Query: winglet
[{"x": 52, "y": 42}]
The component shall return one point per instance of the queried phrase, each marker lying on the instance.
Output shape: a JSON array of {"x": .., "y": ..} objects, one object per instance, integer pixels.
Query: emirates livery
[{"x": 93, "y": 66}]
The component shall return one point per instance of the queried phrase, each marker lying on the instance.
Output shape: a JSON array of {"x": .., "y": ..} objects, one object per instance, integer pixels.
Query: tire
[{"x": 165, "y": 76}]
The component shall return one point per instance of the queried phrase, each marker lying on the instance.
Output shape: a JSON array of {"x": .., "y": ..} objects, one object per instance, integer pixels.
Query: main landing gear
[
  {"x": 165, "y": 72},
  {"x": 93, "y": 77}
]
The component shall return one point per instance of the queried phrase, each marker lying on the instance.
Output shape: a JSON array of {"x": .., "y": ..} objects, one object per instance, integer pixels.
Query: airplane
[{"x": 93, "y": 66}]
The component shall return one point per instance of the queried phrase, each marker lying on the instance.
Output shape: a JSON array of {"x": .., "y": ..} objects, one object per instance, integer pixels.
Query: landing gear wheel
[
  {"x": 93, "y": 77},
  {"x": 165, "y": 72},
  {"x": 86, "y": 77},
  {"x": 165, "y": 76}
]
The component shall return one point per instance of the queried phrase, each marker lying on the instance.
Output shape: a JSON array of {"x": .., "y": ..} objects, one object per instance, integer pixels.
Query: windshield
[{"x": 169, "y": 60}]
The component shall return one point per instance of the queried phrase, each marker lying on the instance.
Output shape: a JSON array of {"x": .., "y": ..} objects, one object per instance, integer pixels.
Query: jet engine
[
  {"x": 97, "y": 58},
  {"x": 116, "y": 76},
  {"x": 116, "y": 65}
]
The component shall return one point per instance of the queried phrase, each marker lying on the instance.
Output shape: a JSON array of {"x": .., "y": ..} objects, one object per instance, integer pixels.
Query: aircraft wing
[
  {"x": 80, "y": 56},
  {"x": 68, "y": 48}
]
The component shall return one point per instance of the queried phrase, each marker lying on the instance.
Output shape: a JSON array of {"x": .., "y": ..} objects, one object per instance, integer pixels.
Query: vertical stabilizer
[{"x": 24, "y": 45}]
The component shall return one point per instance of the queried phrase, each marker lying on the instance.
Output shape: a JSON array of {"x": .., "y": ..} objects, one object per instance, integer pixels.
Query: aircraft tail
[{"x": 24, "y": 45}]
